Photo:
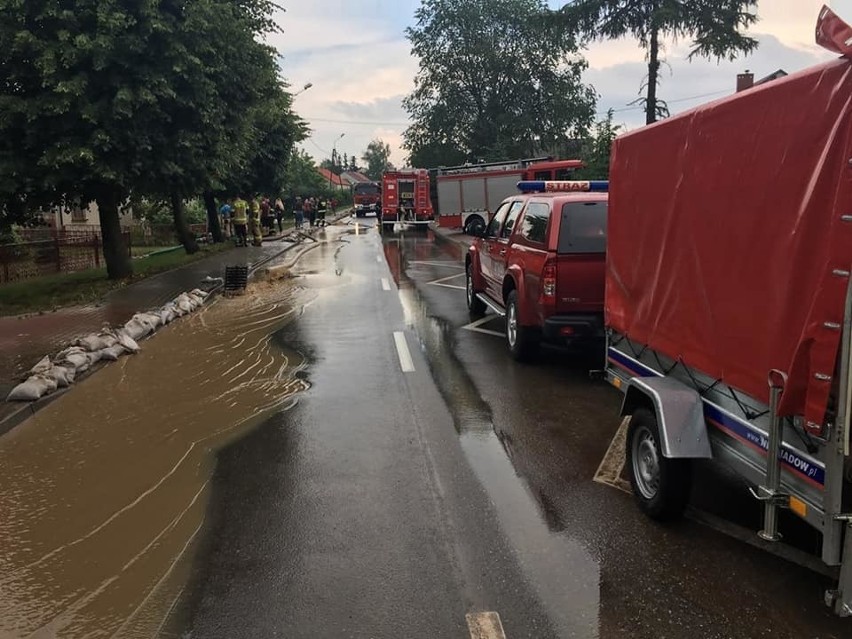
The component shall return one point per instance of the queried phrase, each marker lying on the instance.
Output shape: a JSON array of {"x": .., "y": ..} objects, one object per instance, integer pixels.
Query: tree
[
  {"x": 377, "y": 159},
  {"x": 497, "y": 80},
  {"x": 596, "y": 150},
  {"x": 302, "y": 178},
  {"x": 715, "y": 26}
]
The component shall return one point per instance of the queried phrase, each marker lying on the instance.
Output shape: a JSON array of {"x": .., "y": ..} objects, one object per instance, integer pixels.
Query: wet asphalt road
[{"x": 391, "y": 504}]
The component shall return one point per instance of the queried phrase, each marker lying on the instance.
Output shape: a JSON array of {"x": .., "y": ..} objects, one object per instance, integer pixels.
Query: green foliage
[
  {"x": 715, "y": 26},
  {"x": 596, "y": 150},
  {"x": 377, "y": 159},
  {"x": 301, "y": 177},
  {"x": 497, "y": 80}
]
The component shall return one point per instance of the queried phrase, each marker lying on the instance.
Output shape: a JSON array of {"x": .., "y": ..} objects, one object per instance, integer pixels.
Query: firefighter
[
  {"x": 240, "y": 219},
  {"x": 254, "y": 222}
]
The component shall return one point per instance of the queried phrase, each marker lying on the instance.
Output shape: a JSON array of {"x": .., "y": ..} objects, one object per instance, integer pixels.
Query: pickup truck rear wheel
[
  {"x": 475, "y": 305},
  {"x": 661, "y": 486},
  {"x": 522, "y": 340}
]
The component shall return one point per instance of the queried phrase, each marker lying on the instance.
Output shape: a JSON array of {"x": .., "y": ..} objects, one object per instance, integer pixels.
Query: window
[
  {"x": 514, "y": 211},
  {"x": 541, "y": 175},
  {"x": 534, "y": 225},
  {"x": 565, "y": 174},
  {"x": 583, "y": 228},
  {"x": 497, "y": 220}
]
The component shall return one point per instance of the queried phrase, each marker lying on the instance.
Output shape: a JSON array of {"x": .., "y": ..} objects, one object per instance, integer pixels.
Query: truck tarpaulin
[{"x": 727, "y": 245}]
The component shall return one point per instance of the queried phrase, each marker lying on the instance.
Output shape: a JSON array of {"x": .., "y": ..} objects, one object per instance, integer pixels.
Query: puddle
[
  {"x": 104, "y": 491},
  {"x": 564, "y": 574}
]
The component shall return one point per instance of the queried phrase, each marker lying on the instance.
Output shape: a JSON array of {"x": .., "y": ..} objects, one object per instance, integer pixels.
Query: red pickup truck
[{"x": 540, "y": 262}]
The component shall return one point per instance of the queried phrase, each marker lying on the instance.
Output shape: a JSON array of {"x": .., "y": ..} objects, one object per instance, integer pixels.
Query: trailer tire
[
  {"x": 522, "y": 340},
  {"x": 475, "y": 305},
  {"x": 661, "y": 486}
]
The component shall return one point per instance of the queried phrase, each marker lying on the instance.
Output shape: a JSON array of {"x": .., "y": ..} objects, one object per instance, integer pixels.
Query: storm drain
[{"x": 236, "y": 278}]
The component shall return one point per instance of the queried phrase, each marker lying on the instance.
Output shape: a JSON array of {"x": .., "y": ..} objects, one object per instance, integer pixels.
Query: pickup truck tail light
[{"x": 548, "y": 281}]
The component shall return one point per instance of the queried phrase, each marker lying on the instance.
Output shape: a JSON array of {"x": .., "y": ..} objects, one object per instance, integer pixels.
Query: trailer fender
[{"x": 679, "y": 411}]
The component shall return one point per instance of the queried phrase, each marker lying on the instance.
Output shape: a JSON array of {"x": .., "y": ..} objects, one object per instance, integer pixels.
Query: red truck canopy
[{"x": 726, "y": 243}]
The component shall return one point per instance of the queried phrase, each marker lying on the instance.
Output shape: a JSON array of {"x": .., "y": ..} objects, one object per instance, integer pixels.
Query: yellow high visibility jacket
[{"x": 240, "y": 211}]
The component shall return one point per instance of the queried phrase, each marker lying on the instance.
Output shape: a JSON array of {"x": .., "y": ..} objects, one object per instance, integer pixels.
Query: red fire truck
[
  {"x": 405, "y": 198},
  {"x": 468, "y": 194},
  {"x": 366, "y": 197}
]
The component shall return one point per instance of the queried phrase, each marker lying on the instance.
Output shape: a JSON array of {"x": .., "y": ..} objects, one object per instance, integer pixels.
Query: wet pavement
[{"x": 346, "y": 455}]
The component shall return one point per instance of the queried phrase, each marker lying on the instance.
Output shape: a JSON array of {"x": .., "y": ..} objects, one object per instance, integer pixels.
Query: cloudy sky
[{"x": 355, "y": 54}]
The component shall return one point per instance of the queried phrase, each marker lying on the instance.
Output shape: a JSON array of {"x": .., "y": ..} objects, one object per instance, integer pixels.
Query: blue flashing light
[{"x": 564, "y": 186}]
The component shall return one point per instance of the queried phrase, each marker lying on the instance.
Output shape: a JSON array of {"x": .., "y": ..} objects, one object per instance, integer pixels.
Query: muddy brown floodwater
[{"x": 103, "y": 492}]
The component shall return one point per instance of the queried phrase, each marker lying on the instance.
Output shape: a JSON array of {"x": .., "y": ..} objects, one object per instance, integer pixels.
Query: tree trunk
[
  {"x": 653, "y": 74},
  {"x": 116, "y": 255},
  {"x": 181, "y": 227},
  {"x": 213, "y": 217}
]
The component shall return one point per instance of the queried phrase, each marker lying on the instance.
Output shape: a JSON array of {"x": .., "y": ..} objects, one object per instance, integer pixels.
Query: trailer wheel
[
  {"x": 475, "y": 305},
  {"x": 661, "y": 486},
  {"x": 522, "y": 340}
]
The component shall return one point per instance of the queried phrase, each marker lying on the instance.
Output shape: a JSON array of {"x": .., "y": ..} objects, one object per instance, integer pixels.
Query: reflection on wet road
[{"x": 104, "y": 491}]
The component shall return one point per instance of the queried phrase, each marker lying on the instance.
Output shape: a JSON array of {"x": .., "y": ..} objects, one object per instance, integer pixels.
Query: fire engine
[
  {"x": 366, "y": 197},
  {"x": 468, "y": 194},
  {"x": 405, "y": 198}
]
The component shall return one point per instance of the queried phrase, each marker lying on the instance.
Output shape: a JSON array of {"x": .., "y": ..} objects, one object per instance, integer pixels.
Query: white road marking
[
  {"x": 385, "y": 284},
  {"x": 443, "y": 263},
  {"x": 612, "y": 464},
  {"x": 405, "y": 361},
  {"x": 440, "y": 282},
  {"x": 485, "y": 625},
  {"x": 474, "y": 326}
]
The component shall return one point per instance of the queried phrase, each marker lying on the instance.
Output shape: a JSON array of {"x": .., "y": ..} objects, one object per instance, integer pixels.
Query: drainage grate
[{"x": 236, "y": 278}]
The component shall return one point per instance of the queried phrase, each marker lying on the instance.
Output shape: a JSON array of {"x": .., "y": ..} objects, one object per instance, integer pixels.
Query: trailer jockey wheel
[{"x": 661, "y": 485}]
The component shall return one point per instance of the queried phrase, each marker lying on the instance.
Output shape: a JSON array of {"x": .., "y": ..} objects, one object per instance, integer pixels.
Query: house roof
[
  {"x": 328, "y": 176},
  {"x": 355, "y": 177}
]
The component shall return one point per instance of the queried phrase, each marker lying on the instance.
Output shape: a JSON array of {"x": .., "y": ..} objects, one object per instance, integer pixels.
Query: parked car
[{"x": 540, "y": 262}]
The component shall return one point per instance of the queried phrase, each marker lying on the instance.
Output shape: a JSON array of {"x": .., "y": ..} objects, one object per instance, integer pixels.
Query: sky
[{"x": 356, "y": 56}]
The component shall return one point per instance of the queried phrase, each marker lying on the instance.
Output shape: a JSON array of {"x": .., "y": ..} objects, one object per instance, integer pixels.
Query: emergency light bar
[{"x": 568, "y": 186}]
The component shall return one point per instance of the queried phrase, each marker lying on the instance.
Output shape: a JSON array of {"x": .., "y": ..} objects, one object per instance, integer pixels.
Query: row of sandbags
[{"x": 108, "y": 345}]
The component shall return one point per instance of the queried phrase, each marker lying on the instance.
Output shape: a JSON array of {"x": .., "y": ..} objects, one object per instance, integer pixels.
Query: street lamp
[
  {"x": 333, "y": 153},
  {"x": 307, "y": 86}
]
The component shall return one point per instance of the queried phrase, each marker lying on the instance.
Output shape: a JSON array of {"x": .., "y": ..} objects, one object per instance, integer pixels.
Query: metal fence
[{"x": 64, "y": 252}]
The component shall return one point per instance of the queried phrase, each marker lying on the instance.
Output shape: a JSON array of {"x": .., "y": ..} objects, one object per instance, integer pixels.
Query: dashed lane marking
[
  {"x": 485, "y": 625},
  {"x": 475, "y": 326},
  {"x": 405, "y": 361},
  {"x": 612, "y": 464},
  {"x": 385, "y": 284}
]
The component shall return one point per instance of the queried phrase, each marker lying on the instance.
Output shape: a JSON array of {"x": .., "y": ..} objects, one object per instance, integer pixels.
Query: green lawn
[{"x": 68, "y": 289}]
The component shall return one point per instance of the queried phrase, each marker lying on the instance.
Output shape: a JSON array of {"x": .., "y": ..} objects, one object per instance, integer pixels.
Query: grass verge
[{"x": 67, "y": 289}]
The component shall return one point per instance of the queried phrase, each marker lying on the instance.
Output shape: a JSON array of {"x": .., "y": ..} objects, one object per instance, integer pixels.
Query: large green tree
[
  {"x": 716, "y": 28},
  {"x": 497, "y": 80},
  {"x": 377, "y": 159},
  {"x": 596, "y": 150}
]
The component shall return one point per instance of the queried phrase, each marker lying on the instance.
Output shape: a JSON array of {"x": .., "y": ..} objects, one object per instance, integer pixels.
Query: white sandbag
[
  {"x": 128, "y": 343},
  {"x": 108, "y": 338},
  {"x": 185, "y": 304},
  {"x": 91, "y": 343},
  {"x": 79, "y": 360},
  {"x": 167, "y": 314},
  {"x": 197, "y": 299},
  {"x": 49, "y": 383},
  {"x": 199, "y": 292},
  {"x": 42, "y": 367},
  {"x": 153, "y": 319},
  {"x": 62, "y": 375},
  {"x": 30, "y": 390},
  {"x": 137, "y": 330},
  {"x": 112, "y": 353},
  {"x": 94, "y": 357}
]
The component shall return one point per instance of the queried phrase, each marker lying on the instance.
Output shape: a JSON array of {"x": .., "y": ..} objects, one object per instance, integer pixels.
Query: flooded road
[{"x": 105, "y": 490}]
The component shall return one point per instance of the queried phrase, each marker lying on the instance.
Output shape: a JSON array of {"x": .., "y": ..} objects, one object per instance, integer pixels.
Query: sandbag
[
  {"x": 94, "y": 357},
  {"x": 167, "y": 314},
  {"x": 196, "y": 299},
  {"x": 30, "y": 390},
  {"x": 128, "y": 343},
  {"x": 137, "y": 330},
  {"x": 62, "y": 375},
  {"x": 112, "y": 353},
  {"x": 42, "y": 367},
  {"x": 79, "y": 360},
  {"x": 152, "y": 319},
  {"x": 199, "y": 292},
  {"x": 91, "y": 342}
]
